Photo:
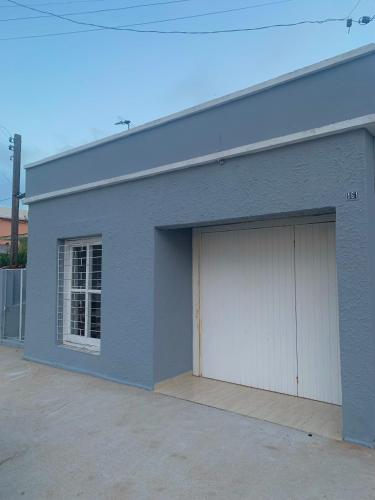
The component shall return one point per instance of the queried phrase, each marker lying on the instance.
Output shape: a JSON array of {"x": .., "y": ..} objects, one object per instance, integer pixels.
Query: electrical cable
[
  {"x": 180, "y": 32},
  {"x": 226, "y": 11},
  {"x": 52, "y": 3},
  {"x": 354, "y": 8},
  {"x": 3, "y": 128},
  {"x": 5, "y": 177}
]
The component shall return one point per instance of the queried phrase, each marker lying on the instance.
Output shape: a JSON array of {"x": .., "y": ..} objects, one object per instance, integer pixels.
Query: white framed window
[{"x": 79, "y": 293}]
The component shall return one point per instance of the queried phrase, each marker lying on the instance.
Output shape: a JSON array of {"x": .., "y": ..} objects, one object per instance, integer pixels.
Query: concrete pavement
[{"x": 65, "y": 435}]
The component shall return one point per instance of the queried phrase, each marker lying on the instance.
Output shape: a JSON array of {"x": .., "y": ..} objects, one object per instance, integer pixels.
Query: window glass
[
  {"x": 96, "y": 267},
  {"x": 79, "y": 261},
  {"x": 94, "y": 313},
  {"x": 79, "y": 292},
  {"x": 77, "y": 318}
]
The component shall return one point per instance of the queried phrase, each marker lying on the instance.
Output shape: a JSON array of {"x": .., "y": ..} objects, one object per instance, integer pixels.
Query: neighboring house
[
  {"x": 235, "y": 239},
  {"x": 5, "y": 226}
]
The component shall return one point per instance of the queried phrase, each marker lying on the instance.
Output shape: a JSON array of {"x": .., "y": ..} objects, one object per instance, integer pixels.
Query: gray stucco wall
[
  {"x": 356, "y": 275},
  {"x": 335, "y": 94},
  {"x": 173, "y": 319},
  {"x": 298, "y": 179}
]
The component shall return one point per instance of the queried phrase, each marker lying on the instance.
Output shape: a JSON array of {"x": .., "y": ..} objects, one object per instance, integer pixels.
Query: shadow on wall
[{"x": 173, "y": 307}]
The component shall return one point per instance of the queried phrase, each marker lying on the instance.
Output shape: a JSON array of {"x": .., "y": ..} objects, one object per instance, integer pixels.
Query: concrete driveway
[{"x": 65, "y": 435}]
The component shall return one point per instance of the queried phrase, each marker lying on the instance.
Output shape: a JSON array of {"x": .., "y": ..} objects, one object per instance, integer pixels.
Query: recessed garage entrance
[{"x": 266, "y": 307}]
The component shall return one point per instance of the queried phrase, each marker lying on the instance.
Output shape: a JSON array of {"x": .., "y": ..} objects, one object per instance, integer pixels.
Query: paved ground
[
  {"x": 298, "y": 413},
  {"x": 64, "y": 436}
]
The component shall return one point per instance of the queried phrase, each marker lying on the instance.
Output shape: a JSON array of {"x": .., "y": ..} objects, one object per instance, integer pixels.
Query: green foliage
[
  {"x": 22, "y": 255},
  {"x": 22, "y": 252},
  {"x": 4, "y": 260}
]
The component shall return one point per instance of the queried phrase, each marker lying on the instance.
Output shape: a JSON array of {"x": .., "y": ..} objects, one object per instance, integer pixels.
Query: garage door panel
[
  {"x": 248, "y": 330},
  {"x": 317, "y": 313}
]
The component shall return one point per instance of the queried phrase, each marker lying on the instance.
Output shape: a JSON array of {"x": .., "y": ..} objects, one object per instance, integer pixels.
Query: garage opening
[
  {"x": 268, "y": 311},
  {"x": 266, "y": 317}
]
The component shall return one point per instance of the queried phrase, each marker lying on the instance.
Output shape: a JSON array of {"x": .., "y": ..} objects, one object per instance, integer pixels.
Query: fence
[{"x": 12, "y": 303}]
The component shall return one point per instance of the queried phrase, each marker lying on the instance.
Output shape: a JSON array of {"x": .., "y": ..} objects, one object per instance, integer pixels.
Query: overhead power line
[
  {"x": 144, "y": 23},
  {"x": 98, "y": 11},
  {"x": 6, "y": 177},
  {"x": 354, "y": 8},
  {"x": 363, "y": 20},
  {"x": 45, "y": 4},
  {"x": 4, "y": 129},
  {"x": 225, "y": 11},
  {"x": 174, "y": 32}
]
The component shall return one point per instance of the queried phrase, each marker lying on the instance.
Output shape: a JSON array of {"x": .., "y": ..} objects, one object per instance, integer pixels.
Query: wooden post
[{"x": 15, "y": 199}]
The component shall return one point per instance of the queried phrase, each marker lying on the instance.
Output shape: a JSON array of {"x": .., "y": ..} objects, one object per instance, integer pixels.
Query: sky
[{"x": 59, "y": 92}]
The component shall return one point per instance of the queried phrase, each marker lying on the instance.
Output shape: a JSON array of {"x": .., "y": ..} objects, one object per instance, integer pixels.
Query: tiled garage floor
[{"x": 303, "y": 414}]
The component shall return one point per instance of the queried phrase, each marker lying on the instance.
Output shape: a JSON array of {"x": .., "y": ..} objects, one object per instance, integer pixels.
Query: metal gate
[{"x": 12, "y": 302}]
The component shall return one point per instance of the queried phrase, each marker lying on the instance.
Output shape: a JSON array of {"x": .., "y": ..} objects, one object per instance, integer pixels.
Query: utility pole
[{"x": 15, "y": 146}]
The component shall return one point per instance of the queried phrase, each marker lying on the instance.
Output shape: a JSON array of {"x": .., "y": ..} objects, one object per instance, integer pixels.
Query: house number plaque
[{"x": 352, "y": 195}]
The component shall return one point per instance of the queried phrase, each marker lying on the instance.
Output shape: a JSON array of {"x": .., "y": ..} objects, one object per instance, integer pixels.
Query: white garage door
[
  {"x": 268, "y": 309},
  {"x": 318, "y": 349}
]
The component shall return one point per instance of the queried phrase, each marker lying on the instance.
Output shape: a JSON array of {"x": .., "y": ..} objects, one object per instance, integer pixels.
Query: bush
[
  {"x": 4, "y": 260},
  {"x": 22, "y": 255},
  {"x": 22, "y": 252}
]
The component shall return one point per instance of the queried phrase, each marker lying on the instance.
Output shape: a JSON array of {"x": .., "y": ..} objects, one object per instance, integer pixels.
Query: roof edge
[
  {"x": 366, "y": 122},
  {"x": 254, "y": 89}
]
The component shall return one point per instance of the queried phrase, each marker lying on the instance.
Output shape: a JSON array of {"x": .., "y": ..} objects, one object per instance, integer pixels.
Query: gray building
[{"x": 235, "y": 239}]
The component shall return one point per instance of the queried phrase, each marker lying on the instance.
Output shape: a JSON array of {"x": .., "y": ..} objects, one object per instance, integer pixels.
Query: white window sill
[{"x": 86, "y": 348}]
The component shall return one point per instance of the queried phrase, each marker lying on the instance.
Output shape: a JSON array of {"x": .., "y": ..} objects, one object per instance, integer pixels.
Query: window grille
[{"x": 79, "y": 293}]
